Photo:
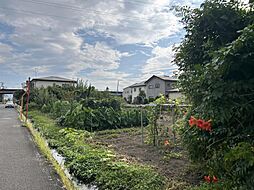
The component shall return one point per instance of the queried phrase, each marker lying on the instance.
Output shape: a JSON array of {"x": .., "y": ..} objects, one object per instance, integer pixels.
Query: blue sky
[{"x": 101, "y": 41}]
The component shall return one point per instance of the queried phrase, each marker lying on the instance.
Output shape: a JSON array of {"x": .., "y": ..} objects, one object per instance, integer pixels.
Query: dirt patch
[{"x": 170, "y": 162}]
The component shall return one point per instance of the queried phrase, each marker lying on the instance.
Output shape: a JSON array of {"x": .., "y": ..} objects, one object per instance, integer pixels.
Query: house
[
  {"x": 131, "y": 92},
  {"x": 152, "y": 88},
  {"x": 51, "y": 81},
  {"x": 165, "y": 85}
]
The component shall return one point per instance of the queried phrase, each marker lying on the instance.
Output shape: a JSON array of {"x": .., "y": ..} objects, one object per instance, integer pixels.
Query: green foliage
[
  {"x": 141, "y": 98},
  {"x": 81, "y": 92},
  {"x": 106, "y": 102},
  {"x": 239, "y": 161},
  {"x": 160, "y": 100},
  {"x": 102, "y": 118},
  {"x": 210, "y": 186},
  {"x": 216, "y": 59},
  {"x": 92, "y": 164}
]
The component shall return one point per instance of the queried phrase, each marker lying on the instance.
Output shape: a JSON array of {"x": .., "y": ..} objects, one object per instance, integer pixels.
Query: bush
[{"x": 217, "y": 77}]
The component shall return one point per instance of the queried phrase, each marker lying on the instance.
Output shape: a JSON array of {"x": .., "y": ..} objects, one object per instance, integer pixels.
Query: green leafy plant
[
  {"x": 93, "y": 164},
  {"x": 216, "y": 62}
]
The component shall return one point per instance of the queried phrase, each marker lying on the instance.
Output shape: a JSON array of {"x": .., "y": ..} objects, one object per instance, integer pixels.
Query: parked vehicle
[{"x": 9, "y": 104}]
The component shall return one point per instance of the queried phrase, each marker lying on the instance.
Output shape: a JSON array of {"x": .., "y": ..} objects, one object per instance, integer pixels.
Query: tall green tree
[{"x": 216, "y": 59}]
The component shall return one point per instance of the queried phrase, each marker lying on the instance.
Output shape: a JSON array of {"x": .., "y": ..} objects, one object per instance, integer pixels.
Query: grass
[
  {"x": 94, "y": 164},
  {"x": 41, "y": 143}
]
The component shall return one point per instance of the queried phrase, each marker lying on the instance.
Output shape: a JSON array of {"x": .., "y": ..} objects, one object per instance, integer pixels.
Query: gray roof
[
  {"x": 143, "y": 83},
  {"x": 167, "y": 78},
  {"x": 164, "y": 77},
  {"x": 54, "y": 78},
  {"x": 138, "y": 84}
]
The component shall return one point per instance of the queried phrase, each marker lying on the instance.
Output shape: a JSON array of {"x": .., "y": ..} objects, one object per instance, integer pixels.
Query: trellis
[{"x": 164, "y": 109}]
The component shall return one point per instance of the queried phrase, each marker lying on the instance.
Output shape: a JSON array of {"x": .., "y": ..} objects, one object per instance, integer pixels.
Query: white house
[
  {"x": 153, "y": 87},
  {"x": 131, "y": 92},
  {"x": 51, "y": 81}
]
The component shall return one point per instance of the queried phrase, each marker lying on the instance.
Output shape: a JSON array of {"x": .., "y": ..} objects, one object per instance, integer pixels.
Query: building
[
  {"x": 152, "y": 88},
  {"x": 51, "y": 81},
  {"x": 116, "y": 93}
]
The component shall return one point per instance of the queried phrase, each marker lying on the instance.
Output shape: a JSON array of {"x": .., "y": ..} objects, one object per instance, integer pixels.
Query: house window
[
  {"x": 157, "y": 85},
  {"x": 134, "y": 89},
  {"x": 150, "y": 86}
]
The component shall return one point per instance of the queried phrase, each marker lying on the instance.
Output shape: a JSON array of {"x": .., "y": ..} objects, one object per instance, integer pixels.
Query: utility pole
[
  {"x": 35, "y": 71},
  {"x": 2, "y": 85},
  {"x": 117, "y": 86},
  {"x": 28, "y": 96}
]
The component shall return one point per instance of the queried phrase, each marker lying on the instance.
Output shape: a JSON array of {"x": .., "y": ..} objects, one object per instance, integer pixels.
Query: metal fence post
[{"x": 142, "y": 127}]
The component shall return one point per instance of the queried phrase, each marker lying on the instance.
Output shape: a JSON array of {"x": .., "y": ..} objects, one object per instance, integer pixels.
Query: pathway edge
[{"x": 46, "y": 151}]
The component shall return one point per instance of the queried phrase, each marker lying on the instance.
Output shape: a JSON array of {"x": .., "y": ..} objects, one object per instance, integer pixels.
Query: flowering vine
[
  {"x": 209, "y": 179},
  {"x": 202, "y": 124}
]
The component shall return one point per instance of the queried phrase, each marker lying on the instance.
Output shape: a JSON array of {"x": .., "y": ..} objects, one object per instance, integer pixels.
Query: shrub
[{"x": 217, "y": 77}]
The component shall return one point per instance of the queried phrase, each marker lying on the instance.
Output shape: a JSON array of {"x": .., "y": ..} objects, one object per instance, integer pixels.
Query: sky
[{"x": 99, "y": 41}]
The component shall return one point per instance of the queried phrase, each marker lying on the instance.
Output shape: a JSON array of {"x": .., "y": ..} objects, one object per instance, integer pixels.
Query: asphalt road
[{"x": 22, "y": 167}]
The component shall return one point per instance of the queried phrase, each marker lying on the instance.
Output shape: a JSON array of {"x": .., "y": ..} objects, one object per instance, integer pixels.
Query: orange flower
[
  {"x": 215, "y": 179},
  {"x": 207, "y": 126},
  {"x": 166, "y": 142},
  {"x": 200, "y": 123},
  {"x": 207, "y": 179},
  {"x": 192, "y": 121}
]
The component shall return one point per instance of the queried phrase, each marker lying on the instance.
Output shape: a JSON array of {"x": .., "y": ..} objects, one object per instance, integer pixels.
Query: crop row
[{"x": 92, "y": 164}]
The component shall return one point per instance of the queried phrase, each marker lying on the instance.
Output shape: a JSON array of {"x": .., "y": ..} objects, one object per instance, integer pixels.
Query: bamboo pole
[{"x": 142, "y": 127}]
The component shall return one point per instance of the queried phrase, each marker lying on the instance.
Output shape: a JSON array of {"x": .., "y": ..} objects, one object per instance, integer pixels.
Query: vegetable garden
[{"x": 216, "y": 60}]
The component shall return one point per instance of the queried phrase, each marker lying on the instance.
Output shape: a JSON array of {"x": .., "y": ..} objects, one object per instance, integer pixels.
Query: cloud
[
  {"x": 102, "y": 79},
  {"x": 98, "y": 56},
  {"x": 45, "y": 36},
  {"x": 161, "y": 60},
  {"x": 5, "y": 52}
]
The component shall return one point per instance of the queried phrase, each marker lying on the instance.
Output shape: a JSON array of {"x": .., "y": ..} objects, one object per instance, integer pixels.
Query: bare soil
[{"x": 171, "y": 162}]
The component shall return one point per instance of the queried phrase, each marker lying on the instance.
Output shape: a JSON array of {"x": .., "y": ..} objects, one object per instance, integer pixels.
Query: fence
[{"x": 163, "y": 121}]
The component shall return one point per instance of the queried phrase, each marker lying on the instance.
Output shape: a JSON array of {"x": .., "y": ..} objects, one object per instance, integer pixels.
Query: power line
[
  {"x": 61, "y": 17},
  {"x": 75, "y": 7},
  {"x": 35, "y": 13},
  {"x": 81, "y": 9}
]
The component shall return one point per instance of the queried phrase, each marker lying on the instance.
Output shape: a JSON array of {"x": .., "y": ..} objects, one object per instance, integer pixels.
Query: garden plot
[{"x": 170, "y": 161}]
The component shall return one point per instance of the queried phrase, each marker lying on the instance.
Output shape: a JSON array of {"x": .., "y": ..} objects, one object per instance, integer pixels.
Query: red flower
[
  {"x": 192, "y": 121},
  {"x": 207, "y": 179},
  {"x": 215, "y": 179},
  {"x": 207, "y": 126},
  {"x": 200, "y": 123},
  {"x": 166, "y": 142}
]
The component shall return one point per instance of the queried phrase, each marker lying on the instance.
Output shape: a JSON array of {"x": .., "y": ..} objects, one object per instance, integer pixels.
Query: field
[{"x": 169, "y": 161}]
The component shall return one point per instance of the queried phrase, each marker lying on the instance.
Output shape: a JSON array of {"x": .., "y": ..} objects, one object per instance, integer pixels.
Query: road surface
[{"x": 22, "y": 167}]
